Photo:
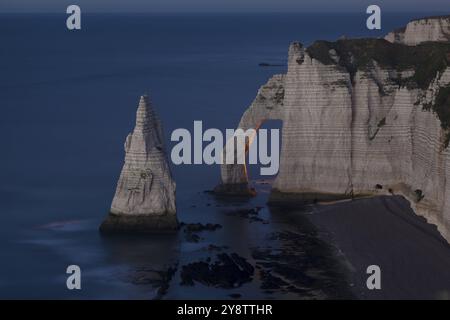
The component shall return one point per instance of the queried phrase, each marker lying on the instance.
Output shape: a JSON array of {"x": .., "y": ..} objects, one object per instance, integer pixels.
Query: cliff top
[
  {"x": 439, "y": 17},
  {"x": 426, "y": 59}
]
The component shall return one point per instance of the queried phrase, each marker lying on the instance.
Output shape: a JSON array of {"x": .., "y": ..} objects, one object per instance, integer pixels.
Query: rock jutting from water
[
  {"x": 361, "y": 117},
  {"x": 144, "y": 201}
]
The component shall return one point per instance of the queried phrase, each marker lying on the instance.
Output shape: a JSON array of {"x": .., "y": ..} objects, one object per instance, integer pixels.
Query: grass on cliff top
[{"x": 357, "y": 54}]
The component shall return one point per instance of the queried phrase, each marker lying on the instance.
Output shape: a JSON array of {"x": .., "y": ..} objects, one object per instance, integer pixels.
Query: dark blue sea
[{"x": 67, "y": 102}]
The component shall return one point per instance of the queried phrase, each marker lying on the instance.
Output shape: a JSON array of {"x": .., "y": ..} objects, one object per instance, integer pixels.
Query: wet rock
[
  {"x": 198, "y": 227},
  {"x": 166, "y": 281},
  {"x": 149, "y": 276},
  {"x": 192, "y": 237},
  {"x": 213, "y": 247},
  {"x": 241, "y": 262},
  {"x": 234, "y": 190},
  {"x": 301, "y": 264},
  {"x": 228, "y": 271},
  {"x": 190, "y": 230},
  {"x": 248, "y": 213},
  {"x": 270, "y": 282}
]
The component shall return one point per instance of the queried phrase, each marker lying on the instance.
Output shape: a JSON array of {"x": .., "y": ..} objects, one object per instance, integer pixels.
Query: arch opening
[{"x": 262, "y": 157}]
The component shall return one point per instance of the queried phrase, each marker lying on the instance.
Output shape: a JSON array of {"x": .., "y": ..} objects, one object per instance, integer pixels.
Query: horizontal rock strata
[
  {"x": 422, "y": 30},
  {"x": 145, "y": 195}
]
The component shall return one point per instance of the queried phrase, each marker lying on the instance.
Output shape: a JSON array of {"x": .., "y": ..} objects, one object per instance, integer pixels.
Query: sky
[{"x": 148, "y": 6}]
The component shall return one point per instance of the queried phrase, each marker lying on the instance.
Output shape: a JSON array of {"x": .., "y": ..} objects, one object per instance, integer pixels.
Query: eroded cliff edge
[
  {"x": 421, "y": 30},
  {"x": 360, "y": 117}
]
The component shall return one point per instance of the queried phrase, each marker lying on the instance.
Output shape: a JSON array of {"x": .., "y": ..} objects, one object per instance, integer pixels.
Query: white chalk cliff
[
  {"x": 360, "y": 118},
  {"x": 145, "y": 195},
  {"x": 422, "y": 30}
]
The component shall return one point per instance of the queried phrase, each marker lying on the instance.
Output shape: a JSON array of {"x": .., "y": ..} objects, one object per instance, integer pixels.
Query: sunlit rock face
[
  {"x": 422, "y": 30},
  {"x": 268, "y": 104},
  {"x": 145, "y": 195},
  {"x": 360, "y": 118}
]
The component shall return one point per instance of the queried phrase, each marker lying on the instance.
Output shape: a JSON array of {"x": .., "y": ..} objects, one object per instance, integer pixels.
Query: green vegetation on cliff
[
  {"x": 442, "y": 108},
  {"x": 426, "y": 59}
]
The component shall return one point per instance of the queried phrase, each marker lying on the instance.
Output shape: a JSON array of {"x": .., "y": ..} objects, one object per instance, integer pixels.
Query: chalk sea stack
[
  {"x": 144, "y": 201},
  {"x": 362, "y": 117}
]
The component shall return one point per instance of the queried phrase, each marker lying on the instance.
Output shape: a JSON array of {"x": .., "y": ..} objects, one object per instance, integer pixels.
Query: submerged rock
[
  {"x": 229, "y": 271},
  {"x": 250, "y": 214},
  {"x": 235, "y": 189},
  {"x": 198, "y": 227},
  {"x": 271, "y": 282},
  {"x": 302, "y": 264},
  {"x": 145, "y": 195},
  {"x": 190, "y": 230},
  {"x": 213, "y": 247},
  {"x": 149, "y": 276}
]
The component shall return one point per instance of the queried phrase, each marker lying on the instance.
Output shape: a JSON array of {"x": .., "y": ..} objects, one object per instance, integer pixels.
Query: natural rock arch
[{"x": 267, "y": 105}]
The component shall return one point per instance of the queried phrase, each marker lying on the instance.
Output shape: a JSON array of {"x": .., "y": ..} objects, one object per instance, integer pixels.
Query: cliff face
[
  {"x": 145, "y": 194},
  {"x": 360, "y": 118},
  {"x": 422, "y": 30}
]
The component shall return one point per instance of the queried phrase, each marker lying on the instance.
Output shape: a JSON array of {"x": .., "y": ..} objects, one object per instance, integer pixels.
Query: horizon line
[{"x": 228, "y": 12}]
